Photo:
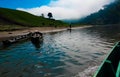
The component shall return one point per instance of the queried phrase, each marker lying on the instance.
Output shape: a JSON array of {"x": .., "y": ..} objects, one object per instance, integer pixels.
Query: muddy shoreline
[{"x": 6, "y": 35}]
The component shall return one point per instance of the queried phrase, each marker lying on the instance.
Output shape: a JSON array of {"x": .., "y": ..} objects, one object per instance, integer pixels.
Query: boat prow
[{"x": 110, "y": 67}]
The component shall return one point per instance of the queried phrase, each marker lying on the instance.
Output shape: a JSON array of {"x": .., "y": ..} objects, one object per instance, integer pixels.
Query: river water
[{"x": 61, "y": 54}]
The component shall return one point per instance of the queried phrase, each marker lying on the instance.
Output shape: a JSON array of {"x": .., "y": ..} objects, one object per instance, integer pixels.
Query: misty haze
[{"x": 60, "y": 38}]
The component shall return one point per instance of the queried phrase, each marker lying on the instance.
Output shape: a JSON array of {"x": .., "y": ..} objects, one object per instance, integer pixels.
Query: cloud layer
[{"x": 68, "y": 9}]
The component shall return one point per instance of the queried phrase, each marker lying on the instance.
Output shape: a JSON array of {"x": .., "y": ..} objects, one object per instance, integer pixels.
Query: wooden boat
[
  {"x": 36, "y": 39},
  {"x": 110, "y": 67}
]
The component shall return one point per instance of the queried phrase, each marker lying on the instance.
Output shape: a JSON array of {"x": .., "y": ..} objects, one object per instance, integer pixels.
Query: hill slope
[
  {"x": 109, "y": 15},
  {"x": 10, "y": 16}
]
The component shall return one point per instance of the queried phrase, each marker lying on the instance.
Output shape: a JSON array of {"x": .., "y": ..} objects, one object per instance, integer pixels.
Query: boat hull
[{"x": 111, "y": 65}]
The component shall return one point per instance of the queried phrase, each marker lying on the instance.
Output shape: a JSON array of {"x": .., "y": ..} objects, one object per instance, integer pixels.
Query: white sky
[{"x": 68, "y": 9}]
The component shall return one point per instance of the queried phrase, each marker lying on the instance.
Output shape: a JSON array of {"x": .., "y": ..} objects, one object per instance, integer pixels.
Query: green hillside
[
  {"x": 109, "y": 15},
  {"x": 10, "y": 17}
]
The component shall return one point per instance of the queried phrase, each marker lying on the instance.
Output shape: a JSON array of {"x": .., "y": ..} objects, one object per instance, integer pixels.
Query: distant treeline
[{"x": 109, "y": 15}]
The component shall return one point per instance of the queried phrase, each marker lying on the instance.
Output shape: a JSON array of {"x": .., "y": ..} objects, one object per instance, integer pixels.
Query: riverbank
[{"x": 4, "y": 35}]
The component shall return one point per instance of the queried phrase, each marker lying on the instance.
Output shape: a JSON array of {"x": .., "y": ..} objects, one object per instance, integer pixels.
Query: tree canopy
[
  {"x": 50, "y": 15},
  {"x": 109, "y": 15}
]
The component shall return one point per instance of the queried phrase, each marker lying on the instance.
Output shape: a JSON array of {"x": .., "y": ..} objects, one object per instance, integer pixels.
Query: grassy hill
[{"x": 15, "y": 17}]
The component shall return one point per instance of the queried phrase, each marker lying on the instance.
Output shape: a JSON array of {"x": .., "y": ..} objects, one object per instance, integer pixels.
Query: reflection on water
[{"x": 62, "y": 54}]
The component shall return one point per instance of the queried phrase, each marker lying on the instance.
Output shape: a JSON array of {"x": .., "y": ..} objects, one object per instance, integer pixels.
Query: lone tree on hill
[
  {"x": 42, "y": 15},
  {"x": 50, "y": 15}
]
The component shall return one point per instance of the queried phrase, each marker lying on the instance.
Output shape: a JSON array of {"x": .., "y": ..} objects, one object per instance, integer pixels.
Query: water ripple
[{"x": 62, "y": 54}]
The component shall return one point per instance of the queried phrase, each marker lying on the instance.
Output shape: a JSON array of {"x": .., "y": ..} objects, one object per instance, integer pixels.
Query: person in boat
[{"x": 70, "y": 26}]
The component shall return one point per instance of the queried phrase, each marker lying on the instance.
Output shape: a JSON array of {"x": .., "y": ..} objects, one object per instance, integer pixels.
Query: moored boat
[{"x": 37, "y": 39}]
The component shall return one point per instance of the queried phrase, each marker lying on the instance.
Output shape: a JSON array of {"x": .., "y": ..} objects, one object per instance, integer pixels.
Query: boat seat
[
  {"x": 110, "y": 69},
  {"x": 106, "y": 70},
  {"x": 114, "y": 58}
]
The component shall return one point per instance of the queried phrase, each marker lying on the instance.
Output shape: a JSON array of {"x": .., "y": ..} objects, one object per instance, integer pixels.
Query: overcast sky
[{"x": 61, "y": 9}]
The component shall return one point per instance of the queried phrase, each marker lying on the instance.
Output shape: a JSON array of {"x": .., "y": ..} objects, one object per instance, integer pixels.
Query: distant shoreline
[{"x": 6, "y": 35}]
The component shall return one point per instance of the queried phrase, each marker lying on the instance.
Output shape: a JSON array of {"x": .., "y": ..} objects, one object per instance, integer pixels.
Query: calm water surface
[{"x": 62, "y": 54}]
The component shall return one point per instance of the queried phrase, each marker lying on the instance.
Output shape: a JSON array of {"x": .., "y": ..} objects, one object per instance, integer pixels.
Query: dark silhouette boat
[{"x": 36, "y": 39}]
